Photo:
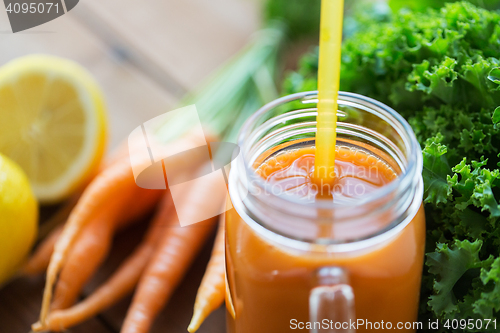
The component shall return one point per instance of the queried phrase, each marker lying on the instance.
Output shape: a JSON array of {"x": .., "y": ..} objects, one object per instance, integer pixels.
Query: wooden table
[{"x": 145, "y": 55}]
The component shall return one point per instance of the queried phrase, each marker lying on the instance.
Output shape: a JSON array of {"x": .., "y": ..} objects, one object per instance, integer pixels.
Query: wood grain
[{"x": 187, "y": 38}]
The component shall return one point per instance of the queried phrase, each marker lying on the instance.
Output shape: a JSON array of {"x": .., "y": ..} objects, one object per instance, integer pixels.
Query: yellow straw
[{"x": 328, "y": 89}]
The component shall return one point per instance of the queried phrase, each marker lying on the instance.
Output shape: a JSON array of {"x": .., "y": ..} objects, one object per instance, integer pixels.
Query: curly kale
[
  {"x": 441, "y": 70},
  {"x": 422, "y": 5}
]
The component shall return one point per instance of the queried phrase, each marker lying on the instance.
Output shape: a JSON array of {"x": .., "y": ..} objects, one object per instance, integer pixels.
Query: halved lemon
[{"x": 53, "y": 123}]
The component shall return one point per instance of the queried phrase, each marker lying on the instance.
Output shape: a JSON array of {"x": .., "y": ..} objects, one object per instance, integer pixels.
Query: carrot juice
[
  {"x": 273, "y": 282},
  {"x": 346, "y": 257}
]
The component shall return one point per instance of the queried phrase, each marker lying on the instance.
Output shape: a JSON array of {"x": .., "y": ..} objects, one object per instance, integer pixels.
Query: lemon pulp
[{"x": 52, "y": 123}]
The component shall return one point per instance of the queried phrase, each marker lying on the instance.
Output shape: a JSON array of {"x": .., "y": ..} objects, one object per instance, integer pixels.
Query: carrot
[
  {"x": 177, "y": 249},
  {"x": 94, "y": 244},
  {"x": 125, "y": 148},
  {"x": 143, "y": 202},
  {"x": 228, "y": 298},
  {"x": 51, "y": 230},
  {"x": 163, "y": 274},
  {"x": 113, "y": 182},
  {"x": 120, "y": 284},
  {"x": 210, "y": 295},
  {"x": 39, "y": 261},
  {"x": 229, "y": 301},
  {"x": 89, "y": 251}
]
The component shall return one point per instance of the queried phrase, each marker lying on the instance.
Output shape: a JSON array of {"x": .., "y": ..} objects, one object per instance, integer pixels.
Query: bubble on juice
[{"x": 357, "y": 173}]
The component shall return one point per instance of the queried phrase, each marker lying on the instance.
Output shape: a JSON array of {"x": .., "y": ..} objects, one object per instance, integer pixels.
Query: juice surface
[
  {"x": 270, "y": 284},
  {"x": 356, "y": 174}
]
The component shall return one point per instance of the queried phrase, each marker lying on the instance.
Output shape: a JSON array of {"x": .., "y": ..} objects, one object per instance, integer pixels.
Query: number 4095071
[
  {"x": 470, "y": 324},
  {"x": 32, "y": 7}
]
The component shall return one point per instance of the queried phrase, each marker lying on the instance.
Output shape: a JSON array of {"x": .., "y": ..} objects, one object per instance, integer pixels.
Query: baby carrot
[
  {"x": 211, "y": 292},
  {"x": 120, "y": 283}
]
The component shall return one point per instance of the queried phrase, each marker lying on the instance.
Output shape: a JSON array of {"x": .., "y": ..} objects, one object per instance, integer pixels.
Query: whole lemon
[{"x": 18, "y": 218}]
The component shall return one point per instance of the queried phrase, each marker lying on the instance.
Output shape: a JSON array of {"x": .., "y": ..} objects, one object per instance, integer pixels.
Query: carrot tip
[
  {"x": 196, "y": 321},
  {"x": 193, "y": 326},
  {"x": 37, "y": 327}
]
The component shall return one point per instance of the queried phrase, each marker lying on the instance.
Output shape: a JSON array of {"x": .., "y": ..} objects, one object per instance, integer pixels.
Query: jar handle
[{"x": 331, "y": 302}]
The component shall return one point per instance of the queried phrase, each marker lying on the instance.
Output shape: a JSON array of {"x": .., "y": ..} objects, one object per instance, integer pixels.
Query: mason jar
[{"x": 323, "y": 265}]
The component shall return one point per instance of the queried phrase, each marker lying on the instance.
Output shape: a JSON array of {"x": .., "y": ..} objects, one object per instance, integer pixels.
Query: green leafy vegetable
[
  {"x": 301, "y": 17},
  {"x": 450, "y": 265},
  {"x": 423, "y": 5},
  {"x": 496, "y": 115},
  {"x": 435, "y": 173},
  {"x": 441, "y": 70}
]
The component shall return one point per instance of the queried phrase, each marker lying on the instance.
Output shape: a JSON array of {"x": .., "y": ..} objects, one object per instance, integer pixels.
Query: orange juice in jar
[{"x": 346, "y": 257}]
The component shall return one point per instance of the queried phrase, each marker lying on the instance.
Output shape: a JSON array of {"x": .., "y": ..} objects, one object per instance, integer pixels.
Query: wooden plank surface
[
  {"x": 20, "y": 305},
  {"x": 187, "y": 38},
  {"x": 183, "y": 41}
]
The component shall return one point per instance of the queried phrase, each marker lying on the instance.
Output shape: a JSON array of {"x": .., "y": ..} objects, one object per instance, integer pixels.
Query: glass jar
[{"x": 325, "y": 266}]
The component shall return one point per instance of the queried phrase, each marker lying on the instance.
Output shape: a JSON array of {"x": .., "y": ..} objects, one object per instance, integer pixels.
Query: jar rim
[{"x": 414, "y": 161}]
